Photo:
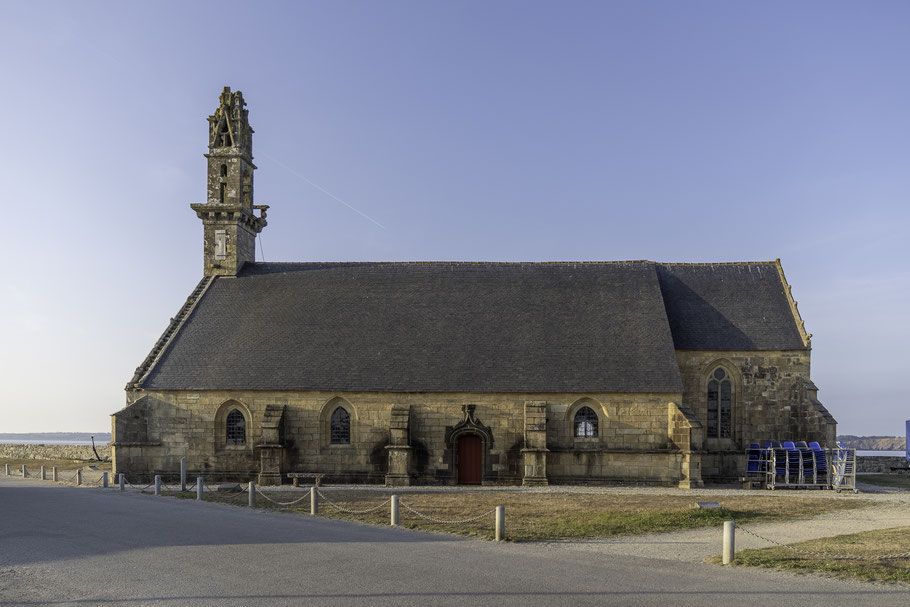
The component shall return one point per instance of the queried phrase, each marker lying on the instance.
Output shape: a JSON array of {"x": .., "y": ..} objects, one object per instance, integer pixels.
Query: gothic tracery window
[
  {"x": 720, "y": 405},
  {"x": 340, "y": 430},
  {"x": 585, "y": 422},
  {"x": 235, "y": 428}
]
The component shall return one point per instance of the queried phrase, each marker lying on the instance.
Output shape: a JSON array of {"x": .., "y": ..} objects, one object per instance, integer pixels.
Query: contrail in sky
[{"x": 321, "y": 189}]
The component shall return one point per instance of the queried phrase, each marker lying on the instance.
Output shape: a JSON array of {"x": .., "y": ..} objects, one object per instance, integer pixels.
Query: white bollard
[
  {"x": 7, "y": 469},
  {"x": 43, "y": 473},
  {"x": 500, "y": 523},
  {"x": 23, "y": 471},
  {"x": 104, "y": 480},
  {"x": 183, "y": 474},
  {"x": 79, "y": 476},
  {"x": 251, "y": 499},
  {"x": 54, "y": 474},
  {"x": 122, "y": 481},
  {"x": 314, "y": 502},
  {"x": 198, "y": 487},
  {"x": 157, "y": 484},
  {"x": 729, "y": 539},
  {"x": 394, "y": 521}
]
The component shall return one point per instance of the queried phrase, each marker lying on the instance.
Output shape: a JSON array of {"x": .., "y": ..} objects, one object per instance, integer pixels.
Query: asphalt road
[{"x": 79, "y": 546}]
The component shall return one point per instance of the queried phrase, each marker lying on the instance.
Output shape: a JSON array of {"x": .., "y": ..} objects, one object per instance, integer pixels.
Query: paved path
[
  {"x": 81, "y": 546},
  {"x": 888, "y": 509}
]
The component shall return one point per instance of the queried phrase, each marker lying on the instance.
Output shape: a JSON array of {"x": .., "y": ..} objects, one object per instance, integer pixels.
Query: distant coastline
[{"x": 54, "y": 438}]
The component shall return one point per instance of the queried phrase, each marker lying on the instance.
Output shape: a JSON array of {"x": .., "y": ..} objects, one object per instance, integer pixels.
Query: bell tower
[{"x": 229, "y": 223}]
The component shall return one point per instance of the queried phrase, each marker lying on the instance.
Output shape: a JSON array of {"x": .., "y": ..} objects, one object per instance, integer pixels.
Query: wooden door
[{"x": 470, "y": 459}]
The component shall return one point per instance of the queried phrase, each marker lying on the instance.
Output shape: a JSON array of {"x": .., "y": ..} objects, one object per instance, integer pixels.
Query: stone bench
[{"x": 296, "y": 476}]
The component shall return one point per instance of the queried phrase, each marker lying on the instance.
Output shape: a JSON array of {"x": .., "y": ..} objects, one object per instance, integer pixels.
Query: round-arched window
[{"x": 585, "y": 422}]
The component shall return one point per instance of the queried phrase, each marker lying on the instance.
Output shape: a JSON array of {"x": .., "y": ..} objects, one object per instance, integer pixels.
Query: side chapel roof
[{"x": 468, "y": 327}]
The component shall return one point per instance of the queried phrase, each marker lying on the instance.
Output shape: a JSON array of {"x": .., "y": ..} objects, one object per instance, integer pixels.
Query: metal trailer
[
  {"x": 843, "y": 469},
  {"x": 795, "y": 470}
]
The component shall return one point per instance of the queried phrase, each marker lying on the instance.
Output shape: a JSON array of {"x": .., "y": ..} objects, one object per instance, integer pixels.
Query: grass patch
[
  {"x": 866, "y": 543},
  {"x": 554, "y": 516},
  {"x": 900, "y": 481},
  {"x": 34, "y": 465}
]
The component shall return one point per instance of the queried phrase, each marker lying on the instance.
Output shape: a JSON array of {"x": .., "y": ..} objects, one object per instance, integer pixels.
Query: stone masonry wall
[
  {"x": 769, "y": 403},
  {"x": 632, "y": 444},
  {"x": 76, "y": 452}
]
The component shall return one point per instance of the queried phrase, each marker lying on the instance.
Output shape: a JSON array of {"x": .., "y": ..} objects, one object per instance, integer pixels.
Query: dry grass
[
  {"x": 867, "y": 543},
  {"x": 554, "y": 516}
]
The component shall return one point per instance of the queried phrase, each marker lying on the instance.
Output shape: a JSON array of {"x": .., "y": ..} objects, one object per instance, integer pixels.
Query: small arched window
[
  {"x": 585, "y": 422},
  {"x": 224, "y": 170},
  {"x": 235, "y": 428},
  {"x": 340, "y": 427},
  {"x": 720, "y": 404}
]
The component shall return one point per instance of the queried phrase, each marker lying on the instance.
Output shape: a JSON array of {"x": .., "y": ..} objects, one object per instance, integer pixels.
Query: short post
[
  {"x": 7, "y": 469},
  {"x": 198, "y": 487},
  {"x": 104, "y": 479},
  {"x": 43, "y": 473},
  {"x": 183, "y": 474},
  {"x": 394, "y": 521},
  {"x": 157, "y": 484},
  {"x": 24, "y": 472},
  {"x": 78, "y": 476},
  {"x": 500, "y": 523},
  {"x": 314, "y": 501},
  {"x": 729, "y": 533},
  {"x": 122, "y": 480},
  {"x": 54, "y": 474},
  {"x": 251, "y": 499}
]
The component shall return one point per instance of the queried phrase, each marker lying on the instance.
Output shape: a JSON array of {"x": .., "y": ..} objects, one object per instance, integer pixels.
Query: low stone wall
[
  {"x": 879, "y": 463},
  {"x": 54, "y": 451}
]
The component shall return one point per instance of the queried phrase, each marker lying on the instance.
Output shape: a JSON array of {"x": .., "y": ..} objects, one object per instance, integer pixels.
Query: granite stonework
[
  {"x": 401, "y": 439},
  {"x": 773, "y": 399},
  {"x": 415, "y": 361}
]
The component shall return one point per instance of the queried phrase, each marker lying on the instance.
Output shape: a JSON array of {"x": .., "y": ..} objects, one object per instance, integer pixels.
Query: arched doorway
[{"x": 470, "y": 459}]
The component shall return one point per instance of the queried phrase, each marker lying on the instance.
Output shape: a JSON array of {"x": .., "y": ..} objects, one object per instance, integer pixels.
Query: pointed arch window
[
  {"x": 235, "y": 428},
  {"x": 585, "y": 423},
  {"x": 340, "y": 430},
  {"x": 720, "y": 404}
]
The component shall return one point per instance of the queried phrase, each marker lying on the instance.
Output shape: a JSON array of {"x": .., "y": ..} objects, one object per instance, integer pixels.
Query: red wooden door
[{"x": 470, "y": 459}]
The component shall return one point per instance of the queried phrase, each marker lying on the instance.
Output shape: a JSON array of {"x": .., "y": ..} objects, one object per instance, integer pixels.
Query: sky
[{"x": 425, "y": 130}]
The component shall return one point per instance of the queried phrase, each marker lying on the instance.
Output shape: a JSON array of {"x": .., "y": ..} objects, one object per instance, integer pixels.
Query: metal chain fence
[
  {"x": 858, "y": 557},
  {"x": 348, "y": 510},
  {"x": 445, "y": 522},
  {"x": 306, "y": 496}
]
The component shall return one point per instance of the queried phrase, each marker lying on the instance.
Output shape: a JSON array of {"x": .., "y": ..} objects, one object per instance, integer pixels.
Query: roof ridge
[{"x": 173, "y": 327}]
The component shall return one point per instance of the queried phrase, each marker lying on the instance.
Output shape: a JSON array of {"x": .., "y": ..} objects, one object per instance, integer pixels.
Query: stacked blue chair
[
  {"x": 756, "y": 464},
  {"x": 794, "y": 462},
  {"x": 808, "y": 462},
  {"x": 821, "y": 461},
  {"x": 780, "y": 458}
]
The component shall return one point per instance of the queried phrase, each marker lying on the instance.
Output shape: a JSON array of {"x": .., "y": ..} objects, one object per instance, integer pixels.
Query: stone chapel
[{"x": 460, "y": 372}]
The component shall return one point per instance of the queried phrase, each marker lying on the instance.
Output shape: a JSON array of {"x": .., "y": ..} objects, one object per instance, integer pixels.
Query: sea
[{"x": 881, "y": 453}]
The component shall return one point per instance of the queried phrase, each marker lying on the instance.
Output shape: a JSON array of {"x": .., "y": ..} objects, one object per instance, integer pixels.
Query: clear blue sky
[{"x": 670, "y": 131}]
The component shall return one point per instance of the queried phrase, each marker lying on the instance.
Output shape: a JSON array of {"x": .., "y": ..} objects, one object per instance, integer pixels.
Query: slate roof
[
  {"x": 728, "y": 306},
  {"x": 470, "y": 327}
]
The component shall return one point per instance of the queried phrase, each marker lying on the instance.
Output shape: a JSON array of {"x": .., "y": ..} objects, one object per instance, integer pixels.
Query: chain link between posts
[
  {"x": 445, "y": 522},
  {"x": 281, "y": 503},
  {"x": 857, "y": 557},
  {"x": 348, "y": 510}
]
